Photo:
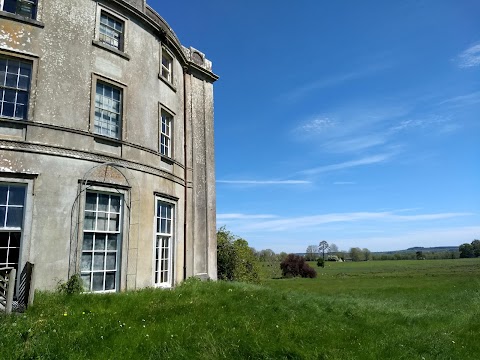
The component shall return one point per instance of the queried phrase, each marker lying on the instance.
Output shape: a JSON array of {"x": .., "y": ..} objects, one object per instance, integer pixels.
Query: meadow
[{"x": 368, "y": 310}]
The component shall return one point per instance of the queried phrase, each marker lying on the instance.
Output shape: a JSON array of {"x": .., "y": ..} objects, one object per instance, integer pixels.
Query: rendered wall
[{"x": 55, "y": 147}]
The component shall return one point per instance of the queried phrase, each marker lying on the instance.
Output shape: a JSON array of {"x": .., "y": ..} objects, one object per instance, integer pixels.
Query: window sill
[
  {"x": 167, "y": 159},
  {"x": 23, "y": 19},
  {"x": 170, "y": 85},
  {"x": 111, "y": 49},
  {"x": 111, "y": 141}
]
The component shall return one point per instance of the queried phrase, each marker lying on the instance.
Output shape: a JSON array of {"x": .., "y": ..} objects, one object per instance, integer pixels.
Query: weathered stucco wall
[{"x": 55, "y": 147}]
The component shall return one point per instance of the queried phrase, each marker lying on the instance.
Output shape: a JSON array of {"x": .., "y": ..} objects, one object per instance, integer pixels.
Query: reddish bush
[{"x": 295, "y": 265}]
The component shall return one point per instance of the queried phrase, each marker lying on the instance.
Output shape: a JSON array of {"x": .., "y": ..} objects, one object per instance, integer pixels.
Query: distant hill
[
  {"x": 412, "y": 250},
  {"x": 420, "y": 248}
]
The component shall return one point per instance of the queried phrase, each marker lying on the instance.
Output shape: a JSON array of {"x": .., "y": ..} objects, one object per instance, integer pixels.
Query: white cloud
[
  {"x": 317, "y": 125},
  {"x": 281, "y": 224},
  {"x": 235, "y": 216},
  {"x": 462, "y": 100},
  {"x": 470, "y": 57},
  {"x": 374, "y": 159},
  {"x": 264, "y": 182}
]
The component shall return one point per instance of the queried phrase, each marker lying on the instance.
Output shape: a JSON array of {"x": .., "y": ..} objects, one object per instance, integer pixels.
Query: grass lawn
[{"x": 370, "y": 310}]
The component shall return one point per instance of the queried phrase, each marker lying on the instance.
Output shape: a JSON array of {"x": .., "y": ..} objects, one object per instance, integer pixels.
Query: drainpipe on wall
[{"x": 185, "y": 173}]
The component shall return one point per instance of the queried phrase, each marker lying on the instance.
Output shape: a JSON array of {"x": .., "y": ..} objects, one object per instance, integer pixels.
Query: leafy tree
[
  {"x": 312, "y": 253},
  {"x": 476, "y": 247},
  {"x": 367, "y": 254},
  {"x": 282, "y": 256},
  {"x": 246, "y": 266},
  {"x": 235, "y": 259},
  {"x": 266, "y": 255},
  {"x": 295, "y": 265},
  {"x": 466, "y": 250},
  {"x": 333, "y": 249},
  {"x": 323, "y": 246},
  {"x": 419, "y": 255},
  {"x": 356, "y": 254}
]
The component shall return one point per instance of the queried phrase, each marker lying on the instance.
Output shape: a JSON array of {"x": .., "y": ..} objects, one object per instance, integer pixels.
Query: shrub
[
  {"x": 74, "y": 285},
  {"x": 236, "y": 261},
  {"x": 320, "y": 262},
  {"x": 295, "y": 265}
]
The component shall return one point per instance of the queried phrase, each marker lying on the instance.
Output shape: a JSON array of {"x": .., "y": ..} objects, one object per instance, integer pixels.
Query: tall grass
[{"x": 374, "y": 310}]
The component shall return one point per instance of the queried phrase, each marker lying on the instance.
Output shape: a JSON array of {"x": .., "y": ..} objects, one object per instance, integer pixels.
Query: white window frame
[
  {"x": 121, "y": 115},
  {"x": 166, "y": 131},
  {"x": 117, "y": 17},
  {"x": 118, "y": 232},
  {"x": 18, "y": 88},
  {"x": 166, "y": 70},
  {"x": 159, "y": 261},
  {"x": 13, "y": 229},
  {"x": 32, "y": 3}
]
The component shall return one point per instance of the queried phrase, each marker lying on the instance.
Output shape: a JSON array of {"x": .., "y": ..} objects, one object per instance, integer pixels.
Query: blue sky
[{"x": 351, "y": 122}]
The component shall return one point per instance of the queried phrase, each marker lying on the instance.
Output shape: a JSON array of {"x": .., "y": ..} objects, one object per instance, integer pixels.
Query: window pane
[
  {"x": 89, "y": 223},
  {"x": 20, "y": 111},
  {"x": 3, "y": 257},
  {"x": 17, "y": 195},
  {"x": 9, "y": 96},
  {"x": 111, "y": 261},
  {"x": 10, "y": 6},
  {"x": 25, "y": 69},
  {"x": 163, "y": 226},
  {"x": 99, "y": 243},
  {"x": 8, "y": 109},
  {"x": 14, "y": 217},
  {"x": 102, "y": 221},
  {"x": 91, "y": 201},
  {"x": 86, "y": 262},
  {"x": 15, "y": 239},
  {"x": 110, "y": 281},
  {"x": 2, "y": 216},
  {"x": 3, "y": 195},
  {"x": 97, "y": 282},
  {"x": 103, "y": 202},
  {"x": 87, "y": 241},
  {"x": 115, "y": 204},
  {"x": 4, "y": 239},
  {"x": 23, "y": 82},
  {"x": 112, "y": 242},
  {"x": 11, "y": 80},
  {"x": 86, "y": 282},
  {"x": 98, "y": 261},
  {"x": 113, "y": 225},
  {"x": 13, "y": 255}
]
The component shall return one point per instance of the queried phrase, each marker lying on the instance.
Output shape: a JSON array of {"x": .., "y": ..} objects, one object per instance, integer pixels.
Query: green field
[{"x": 369, "y": 310}]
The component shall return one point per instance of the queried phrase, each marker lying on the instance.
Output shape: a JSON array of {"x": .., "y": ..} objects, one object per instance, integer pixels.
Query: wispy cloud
[
  {"x": 331, "y": 81},
  {"x": 374, "y": 159},
  {"x": 462, "y": 100},
  {"x": 316, "y": 125},
  {"x": 264, "y": 182},
  {"x": 234, "y": 216},
  {"x": 280, "y": 224},
  {"x": 470, "y": 57}
]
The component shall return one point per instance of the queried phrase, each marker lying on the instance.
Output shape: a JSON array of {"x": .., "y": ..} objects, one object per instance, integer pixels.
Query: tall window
[
  {"x": 12, "y": 200},
  {"x": 27, "y": 8},
  {"x": 108, "y": 107},
  {"x": 111, "y": 31},
  {"x": 163, "y": 243},
  {"x": 14, "y": 87},
  {"x": 166, "y": 134},
  {"x": 166, "y": 66},
  {"x": 100, "y": 266}
]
